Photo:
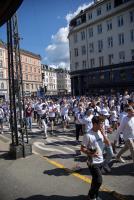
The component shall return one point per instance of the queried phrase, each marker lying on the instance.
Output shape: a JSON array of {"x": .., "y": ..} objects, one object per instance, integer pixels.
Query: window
[
  {"x": 100, "y": 45},
  {"x": 120, "y": 21},
  {"x": 110, "y": 42},
  {"x": 122, "y": 56},
  {"x": 27, "y": 86},
  {"x": 132, "y": 54},
  {"x": 99, "y": 28},
  {"x": 90, "y": 16},
  {"x": 2, "y": 85},
  {"x": 26, "y": 68},
  {"x": 108, "y": 6},
  {"x": 121, "y": 38},
  {"x": 78, "y": 21},
  {"x": 84, "y": 64},
  {"x": 123, "y": 75},
  {"x": 26, "y": 77},
  {"x": 1, "y": 74},
  {"x": 0, "y": 52},
  {"x": 83, "y": 35},
  {"x": 91, "y": 47},
  {"x": 109, "y": 25},
  {"x": 83, "y": 50},
  {"x": 102, "y": 76},
  {"x": 132, "y": 35},
  {"x": 110, "y": 59},
  {"x": 1, "y": 63},
  {"x": 92, "y": 62},
  {"x": 132, "y": 16},
  {"x": 101, "y": 59},
  {"x": 75, "y": 38},
  {"x": 90, "y": 31},
  {"x": 99, "y": 11},
  {"x": 75, "y": 52}
]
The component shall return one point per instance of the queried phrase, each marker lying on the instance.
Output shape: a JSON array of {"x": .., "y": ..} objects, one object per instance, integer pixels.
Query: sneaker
[
  {"x": 44, "y": 137},
  {"x": 120, "y": 160}
]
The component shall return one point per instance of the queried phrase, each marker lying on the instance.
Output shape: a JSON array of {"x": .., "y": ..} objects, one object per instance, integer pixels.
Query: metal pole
[{"x": 13, "y": 85}]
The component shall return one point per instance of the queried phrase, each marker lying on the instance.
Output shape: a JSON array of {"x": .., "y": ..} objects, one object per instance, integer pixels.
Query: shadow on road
[
  {"x": 6, "y": 156},
  {"x": 104, "y": 195},
  {"x": 54, "y": 197}
]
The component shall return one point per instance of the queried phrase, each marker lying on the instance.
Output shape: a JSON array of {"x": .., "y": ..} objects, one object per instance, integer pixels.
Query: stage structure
[{"x": 19, "y": 147}]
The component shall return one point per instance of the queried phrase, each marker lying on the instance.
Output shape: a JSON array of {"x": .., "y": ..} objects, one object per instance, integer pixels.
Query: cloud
[{"x": 57, "y": 53}]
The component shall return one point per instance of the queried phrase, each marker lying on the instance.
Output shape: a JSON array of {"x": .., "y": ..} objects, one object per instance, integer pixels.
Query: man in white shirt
[
  {"x": 127, "y": 128},
  {"x": 87, "y": 121},
  {"x": 92, "y": 145}
]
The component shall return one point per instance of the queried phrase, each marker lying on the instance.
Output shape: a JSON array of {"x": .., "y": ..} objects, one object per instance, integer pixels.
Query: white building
[
  {"x": 3, "y": 71},
  {"x": 63, "y": 81},
  {"x": 101, "y": 41},
  {"x": 49, "y": 77}
]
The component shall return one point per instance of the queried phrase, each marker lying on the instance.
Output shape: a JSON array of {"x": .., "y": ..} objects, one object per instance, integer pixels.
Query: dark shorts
[
  {"x": 51, "y": 119},
  {"x": 1, "y": 121}
]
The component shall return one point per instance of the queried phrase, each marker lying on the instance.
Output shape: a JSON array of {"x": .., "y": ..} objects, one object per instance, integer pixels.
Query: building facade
[
  {"x": 63, "y": 82},
  {"x": 31, "y": 70},
  {"x": 101, "y": 42},
  {"x": 3, "y": 72},
  {"x": 49, "y": 79}
]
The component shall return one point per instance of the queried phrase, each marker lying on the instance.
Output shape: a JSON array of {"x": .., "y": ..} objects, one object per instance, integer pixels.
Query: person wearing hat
[{"x": 127, "y": 128}]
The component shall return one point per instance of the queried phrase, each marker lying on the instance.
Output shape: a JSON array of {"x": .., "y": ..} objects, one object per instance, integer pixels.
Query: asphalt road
[{"x": 49, "y": 175}]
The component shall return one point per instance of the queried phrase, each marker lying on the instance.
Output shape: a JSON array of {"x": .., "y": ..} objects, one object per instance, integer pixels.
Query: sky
[{"x": 43, "y": 28}]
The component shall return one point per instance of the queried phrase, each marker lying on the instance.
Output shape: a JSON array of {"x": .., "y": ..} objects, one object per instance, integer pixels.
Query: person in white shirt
[
  {"x": 87, "y": 121},
  {"x": 52, "y": 114},
  {"x": 64, "y": 114},
  {"x": 127, "y": 128},
  {"x": 44, "y": 119},
  {"x": 92, "y": 146}
]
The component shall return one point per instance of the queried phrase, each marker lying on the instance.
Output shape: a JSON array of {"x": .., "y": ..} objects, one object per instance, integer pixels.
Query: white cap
[{"x": 104, "y": 112}]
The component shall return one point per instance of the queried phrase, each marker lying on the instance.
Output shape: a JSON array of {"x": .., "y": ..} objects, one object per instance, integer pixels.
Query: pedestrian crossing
[{"x": 59, "y": 144}]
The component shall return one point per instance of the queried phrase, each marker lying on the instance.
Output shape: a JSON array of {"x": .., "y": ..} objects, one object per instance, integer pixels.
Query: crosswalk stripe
[
  {"x": 40, "y": 145},
  {"x": 60, "y": 145}
]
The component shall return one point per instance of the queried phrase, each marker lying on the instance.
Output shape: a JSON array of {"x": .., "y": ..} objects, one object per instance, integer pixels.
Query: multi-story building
[
  {"x": 101, "y": 42},
  {"x": 49, "y": 77},
  {"x": 3, "y": 71},
  {"x": 63, "y": 81},
  {"x": 31, "y": 70}
]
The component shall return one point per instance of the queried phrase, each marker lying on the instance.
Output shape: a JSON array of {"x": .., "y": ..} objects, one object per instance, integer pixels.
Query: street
[{"x": 57, "y": 170}]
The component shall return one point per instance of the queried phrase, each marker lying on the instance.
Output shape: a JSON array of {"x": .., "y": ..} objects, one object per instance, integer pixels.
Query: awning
[{"x": 7, "y": 9}]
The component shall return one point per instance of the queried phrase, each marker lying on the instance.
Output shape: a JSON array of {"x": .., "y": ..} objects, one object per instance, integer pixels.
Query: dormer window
[{"x": 78, "y": 21}]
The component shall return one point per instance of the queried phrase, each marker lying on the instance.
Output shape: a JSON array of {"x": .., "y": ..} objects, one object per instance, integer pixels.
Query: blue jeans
[{"x": 29, "y": 122}]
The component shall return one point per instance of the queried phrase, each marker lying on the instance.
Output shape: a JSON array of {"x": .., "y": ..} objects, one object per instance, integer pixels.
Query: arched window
[{"x": 2, "y": 85}]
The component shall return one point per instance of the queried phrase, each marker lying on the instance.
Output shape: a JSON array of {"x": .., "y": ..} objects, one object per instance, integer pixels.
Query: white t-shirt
[
  {"x": 87, "y": 121},
  {"x": 51, "y": 110},
  {"x": 127, "y": 128},
  {"x": 94, "y": 140}
]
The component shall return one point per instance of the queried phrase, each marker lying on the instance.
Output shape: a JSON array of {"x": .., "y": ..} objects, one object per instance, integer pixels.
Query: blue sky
[{"x": 43, "y": 25}]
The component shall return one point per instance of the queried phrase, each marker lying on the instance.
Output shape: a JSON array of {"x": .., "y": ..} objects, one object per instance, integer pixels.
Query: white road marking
[
  {"x": 40, "y": 145},
  {"x": 60, "y": 145}
]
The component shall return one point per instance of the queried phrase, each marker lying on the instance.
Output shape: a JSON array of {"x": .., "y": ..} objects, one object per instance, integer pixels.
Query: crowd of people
[{"x": 94, "y": 118}]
